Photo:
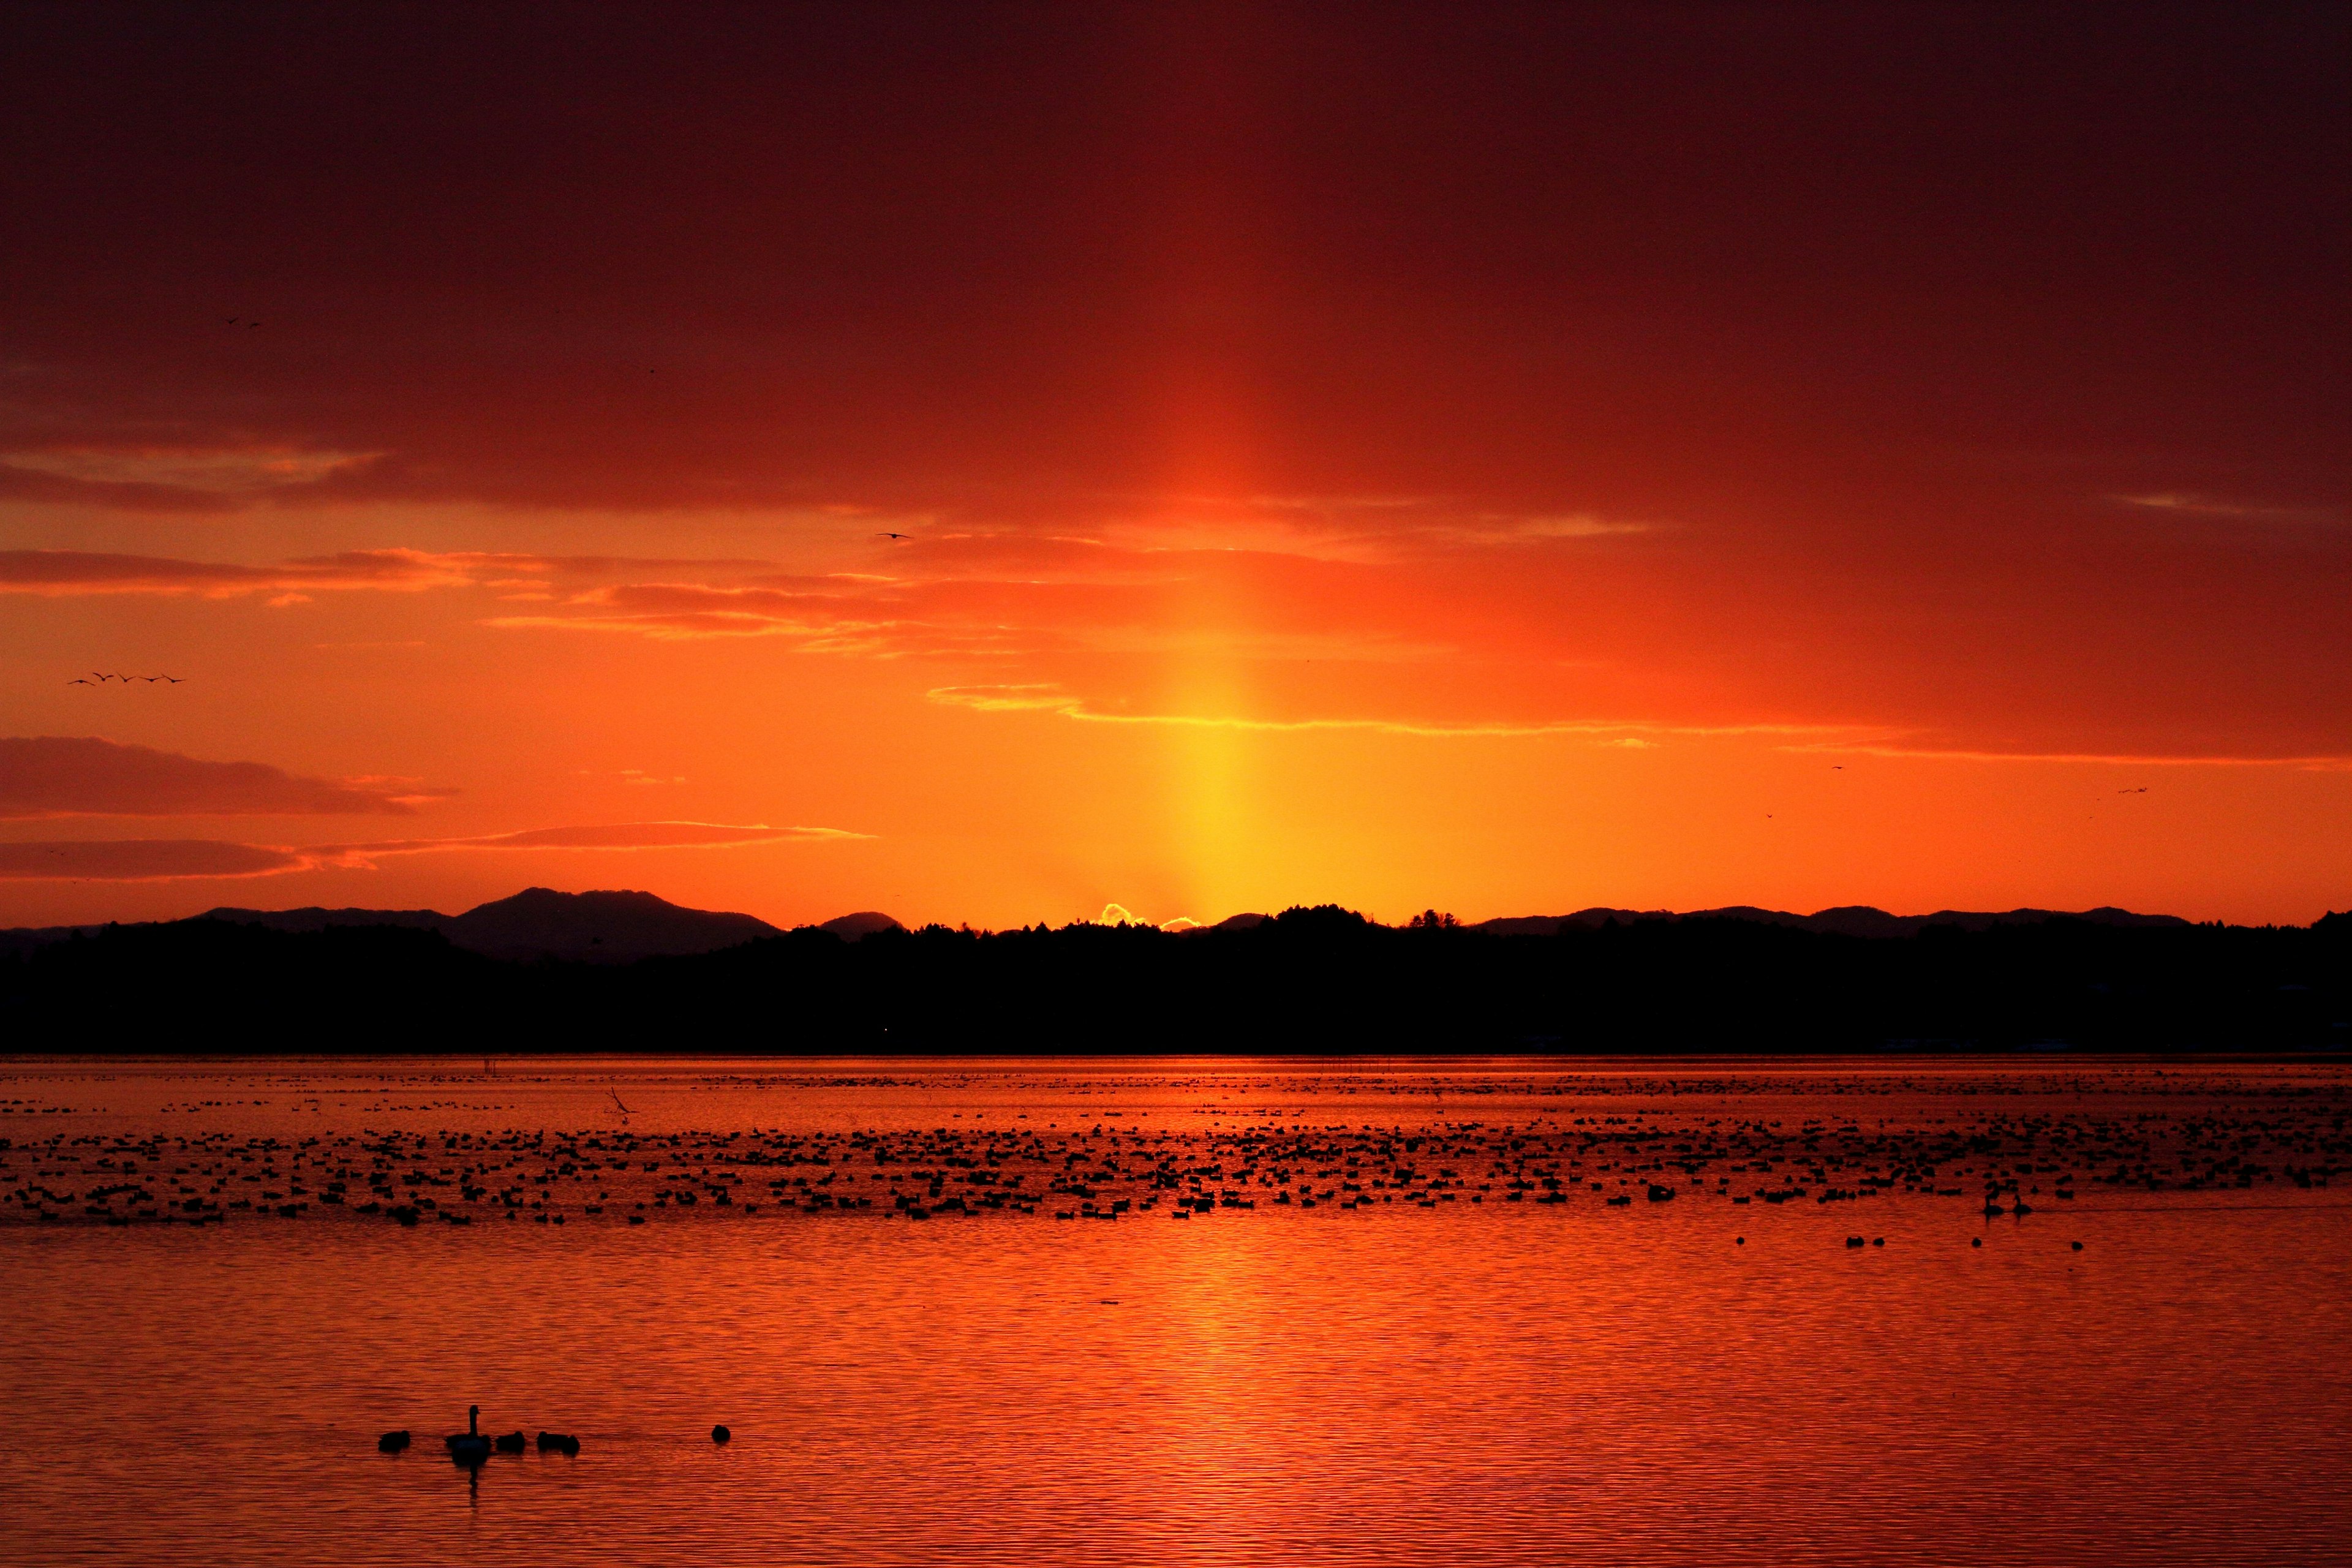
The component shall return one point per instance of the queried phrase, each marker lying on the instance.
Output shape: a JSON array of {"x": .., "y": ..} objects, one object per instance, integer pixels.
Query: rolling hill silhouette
[
  {"x": 1846, "y": 920},
  {"x": 864, "y": 923},
  {"x": 540, "y": 922}
]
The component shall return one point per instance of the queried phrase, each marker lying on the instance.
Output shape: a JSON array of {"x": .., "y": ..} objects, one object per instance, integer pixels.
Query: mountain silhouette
[
  {"x": 864, "y": 923},
  {"x": 1846, "y": 920},
  {"x": 540, "y": 922},
  {"x": 616, "y": 928}
]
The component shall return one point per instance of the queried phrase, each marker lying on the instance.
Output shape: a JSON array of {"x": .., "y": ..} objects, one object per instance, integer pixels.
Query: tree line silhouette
[{"x": 1321, "y": 980}]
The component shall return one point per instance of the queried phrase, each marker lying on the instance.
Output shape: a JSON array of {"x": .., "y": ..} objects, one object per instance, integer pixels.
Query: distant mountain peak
[
  {"x": 605, "y": 926},
  {"x": 862, "y": 924},
  {"x": 550, "y": 900},
  {"x": 613, "y": 925}
]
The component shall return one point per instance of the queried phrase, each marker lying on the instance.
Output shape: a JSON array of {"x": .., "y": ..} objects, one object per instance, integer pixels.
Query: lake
[{"x": 1407, "y": 1312}]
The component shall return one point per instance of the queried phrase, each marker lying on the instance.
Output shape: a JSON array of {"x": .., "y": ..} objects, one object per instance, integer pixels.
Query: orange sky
[{"x": 1502, "y": 459}]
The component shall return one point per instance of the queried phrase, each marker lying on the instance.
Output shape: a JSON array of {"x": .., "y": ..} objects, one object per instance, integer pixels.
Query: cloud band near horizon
[{"x": 182, "y": 860}]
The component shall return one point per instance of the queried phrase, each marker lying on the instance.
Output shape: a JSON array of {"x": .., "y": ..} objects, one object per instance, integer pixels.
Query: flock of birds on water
[
  {"x": 1082, "y": 1162},
  {"x": 473, "y": 1447},
  {"x": 1075, "y": 1162}
]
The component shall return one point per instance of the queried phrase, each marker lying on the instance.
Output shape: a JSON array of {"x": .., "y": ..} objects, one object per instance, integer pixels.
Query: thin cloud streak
[
  {"x": 150, "y": 480},
  {"x": 2095, "y": 759},
  {"x": 2202, "y": 506},
  {"x": 69, "y": 574},
  {"x": 1052, "y": 699},
  {"x": 144, "y": 860},
  {"x": 626, "y": 836},
  {"x": 64, "y": 573},
  {"x": 184, "y": 859}
]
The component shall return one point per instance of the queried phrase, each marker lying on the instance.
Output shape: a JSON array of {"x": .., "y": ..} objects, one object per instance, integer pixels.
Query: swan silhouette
[{"x": 470, "y": 1447}]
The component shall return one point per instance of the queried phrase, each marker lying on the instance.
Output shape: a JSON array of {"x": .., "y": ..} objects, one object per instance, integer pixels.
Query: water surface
[{"x": 1463, "y": 1352}]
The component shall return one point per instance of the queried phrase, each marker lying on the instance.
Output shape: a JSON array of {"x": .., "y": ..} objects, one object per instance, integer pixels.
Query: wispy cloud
[
  {"x": 1895, "y": 750},
  {"x": 822, "y": 614},
  {"x": 72, "y": 572},
  {"x": 2187, "y": 505},
  {"x": 1044, "y": 698},
  {"x": 623, "y": 836},
  {"x": 172, "y": 479},
  {"x": 144, "y": 860},
  {"x": 1277, "y": 594},
  {"x": 60, "y": 775},
  {"x": 1012, "y": 597},
  {"x": 181, "y": 859},
  {"x": 61, "y": 573},
  {"x": 1366, "y": 530}
]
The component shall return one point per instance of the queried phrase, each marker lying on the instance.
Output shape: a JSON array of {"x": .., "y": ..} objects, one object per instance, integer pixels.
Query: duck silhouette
[{"x": 470, "y": 1447}]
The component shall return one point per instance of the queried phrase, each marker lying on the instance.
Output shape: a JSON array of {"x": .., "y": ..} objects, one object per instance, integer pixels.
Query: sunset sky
[{"x": 1499, "y": 459}]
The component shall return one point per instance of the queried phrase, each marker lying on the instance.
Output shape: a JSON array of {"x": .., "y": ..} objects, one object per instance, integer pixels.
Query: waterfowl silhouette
[
  {"x": 392, "y": 1442},
  {"x": 512, "y": 1442},
  {"x": 558, "y": 1442},
  {"x": 719, "y": 1434},
  {"x": 470, "y": 1447}
]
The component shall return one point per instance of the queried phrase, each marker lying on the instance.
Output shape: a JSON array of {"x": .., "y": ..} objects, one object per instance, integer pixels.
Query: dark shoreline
[{"x": 1318, "y": 982}]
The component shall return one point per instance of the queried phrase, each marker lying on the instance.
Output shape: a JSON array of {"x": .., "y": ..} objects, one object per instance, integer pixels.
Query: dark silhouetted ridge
[
  {"x": 316, "y": 918},
  {"x": 548, "y": 971},
  {"x": 864, "y": 923},
  {"x": 609, "y": 928},
  {"x": 1846, "y": 920},
  {"x": 540, "y": 922}
]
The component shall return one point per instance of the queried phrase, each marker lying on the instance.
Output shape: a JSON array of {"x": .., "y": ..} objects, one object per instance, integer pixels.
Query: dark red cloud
[
  {"x": 58, "y": 776},
  {"x": 34, "y": 485},
  {"x": 70, "y": 572}
]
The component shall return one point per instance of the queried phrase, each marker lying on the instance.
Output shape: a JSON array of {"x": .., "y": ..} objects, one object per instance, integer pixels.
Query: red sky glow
[{"x": 1507, "y": 458}]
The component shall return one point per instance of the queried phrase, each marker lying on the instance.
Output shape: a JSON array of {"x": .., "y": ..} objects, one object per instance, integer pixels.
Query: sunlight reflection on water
[{"x": 1461, "y": 1385}]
